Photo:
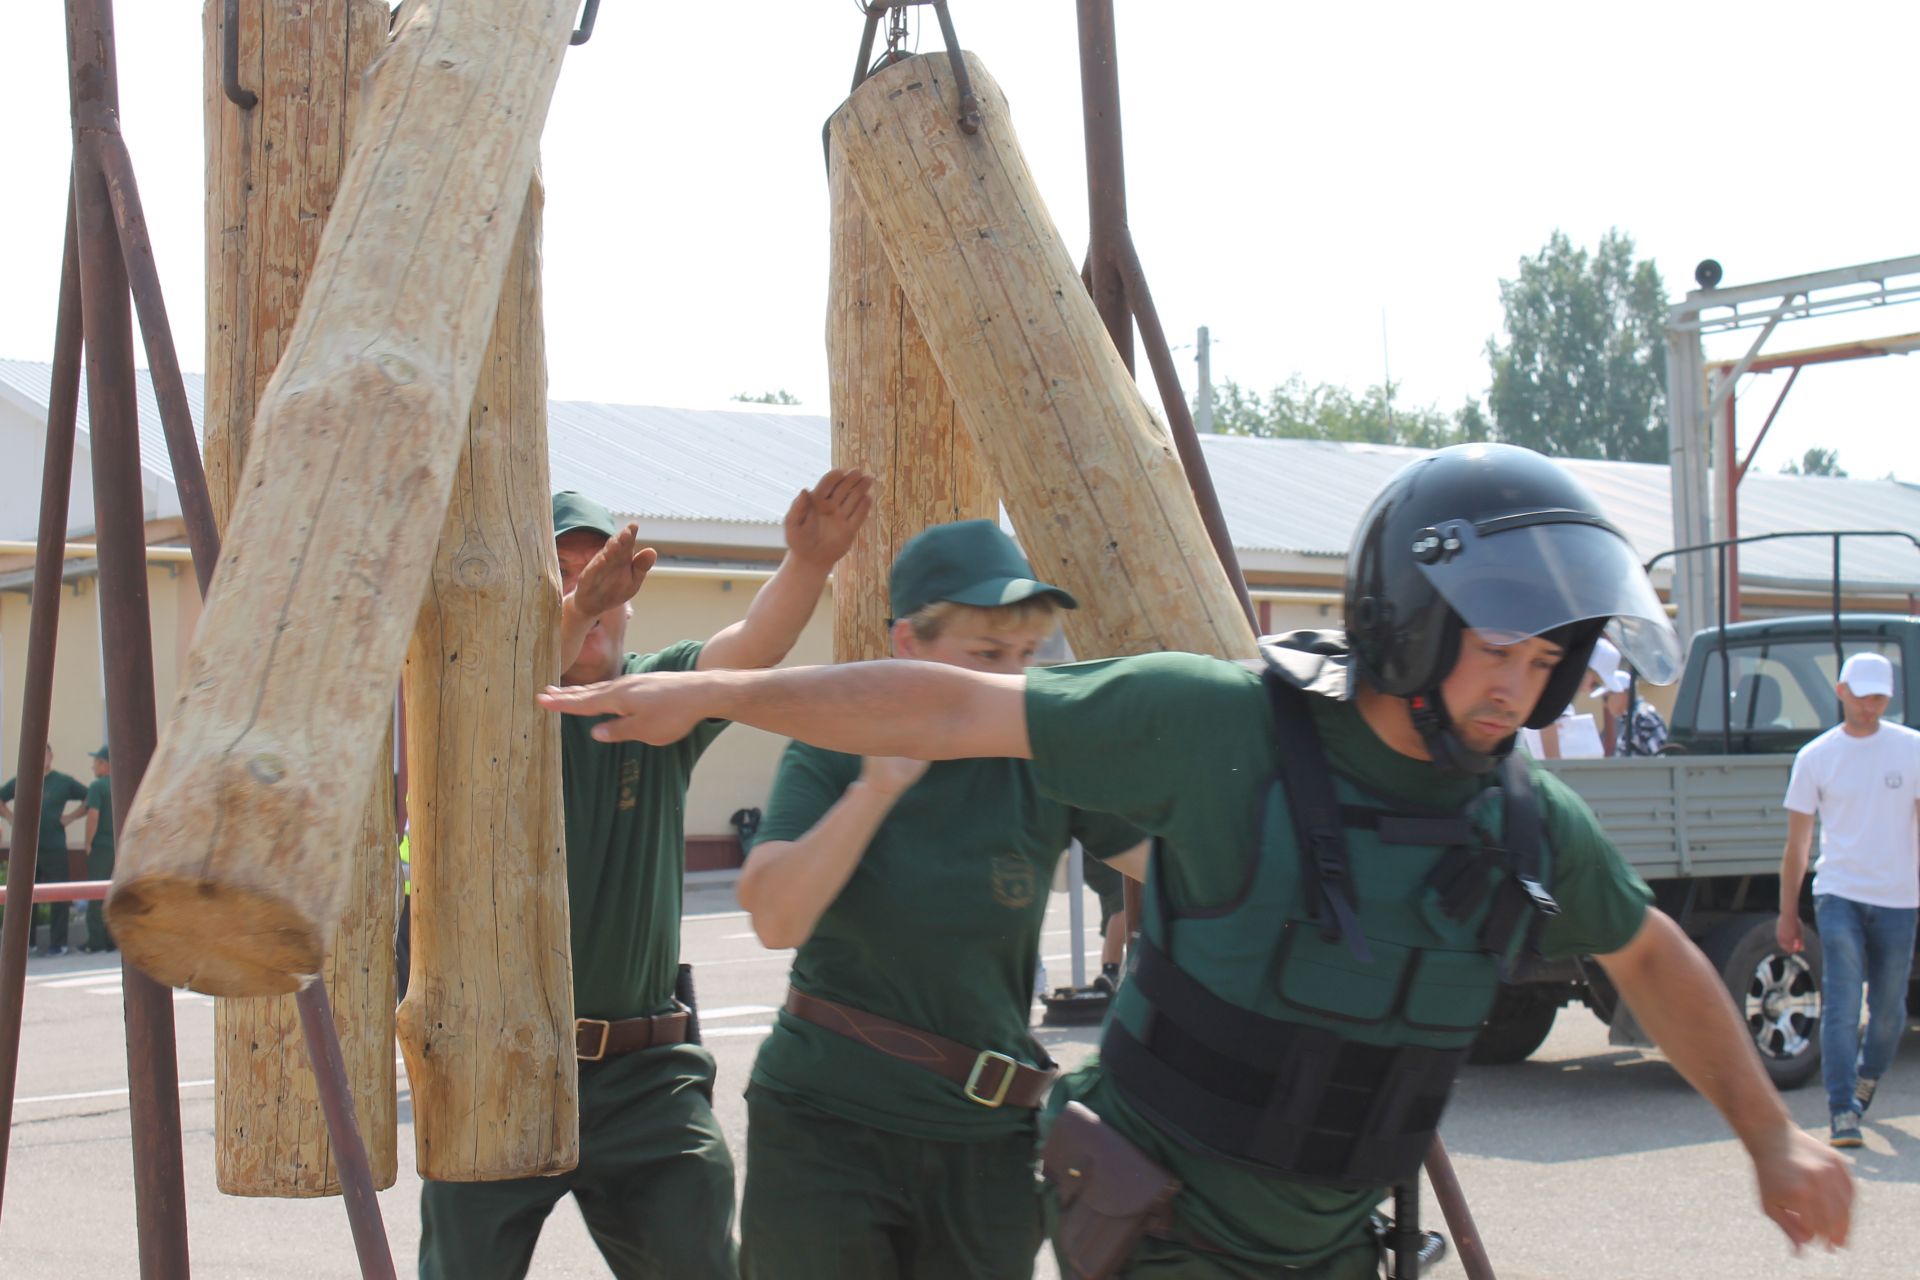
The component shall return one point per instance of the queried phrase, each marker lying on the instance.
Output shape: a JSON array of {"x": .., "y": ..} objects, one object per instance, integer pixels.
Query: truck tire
[
  {"x": 1518, "y": 1025},
  {"x": 1775, "y": 992}
]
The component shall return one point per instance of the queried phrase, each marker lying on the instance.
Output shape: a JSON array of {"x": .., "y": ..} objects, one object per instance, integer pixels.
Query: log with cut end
[
  {"x": 487, "y": 1025},
  {"x": 271, "y": 177},
  {"x": 893, "y": 417},
  {"x": 1096, "y": 492},
  {"x": 233, "y": 868}
]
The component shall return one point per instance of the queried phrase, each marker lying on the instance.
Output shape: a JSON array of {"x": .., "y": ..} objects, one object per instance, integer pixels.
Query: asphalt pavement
[{"x": 1586, "y": 1161}]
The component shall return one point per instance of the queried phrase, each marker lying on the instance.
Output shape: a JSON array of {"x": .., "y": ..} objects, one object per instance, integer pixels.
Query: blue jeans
[{"x": 1861, "y": 944}]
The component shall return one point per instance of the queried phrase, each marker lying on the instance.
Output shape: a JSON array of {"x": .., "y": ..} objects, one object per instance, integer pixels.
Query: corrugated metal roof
[
  {"x": 742, "y": 466},
  {"x": 34, "y": 381}
]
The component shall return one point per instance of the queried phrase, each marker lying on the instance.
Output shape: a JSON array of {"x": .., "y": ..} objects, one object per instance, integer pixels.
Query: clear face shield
[{"x": 1521, "y": 576}]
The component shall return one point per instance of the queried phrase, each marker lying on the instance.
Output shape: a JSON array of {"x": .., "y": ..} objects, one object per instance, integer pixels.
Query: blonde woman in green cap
[{"x": 891, "y": 1114}]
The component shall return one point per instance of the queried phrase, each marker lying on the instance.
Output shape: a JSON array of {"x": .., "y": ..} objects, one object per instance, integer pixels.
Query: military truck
[{"x": 1705, "y": 824}]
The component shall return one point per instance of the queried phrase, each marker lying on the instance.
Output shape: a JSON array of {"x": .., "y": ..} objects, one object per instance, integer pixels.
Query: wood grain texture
[
  {"x": 271, "y": 177},
  {"x": 893, "y": 416},
  {"x": 1090, "y": 478},
  {"x": 233, "y": 869},
  {"x": 487, "y": 1026}
]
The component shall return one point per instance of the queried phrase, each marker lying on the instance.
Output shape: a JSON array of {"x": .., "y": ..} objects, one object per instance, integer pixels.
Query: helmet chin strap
[{"x": 1450, "y": 754}]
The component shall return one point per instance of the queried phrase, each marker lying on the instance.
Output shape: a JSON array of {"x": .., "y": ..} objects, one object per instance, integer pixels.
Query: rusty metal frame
[{"x": 108, "y": 260}]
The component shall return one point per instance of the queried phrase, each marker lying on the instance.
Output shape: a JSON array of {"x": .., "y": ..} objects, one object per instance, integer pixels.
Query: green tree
[
  {"x": 1583, "y": 370},
  {"x": 1816, "y": 462},
  {"x": 782, "y": 396},
  {"x": 1323, "y": 411}
]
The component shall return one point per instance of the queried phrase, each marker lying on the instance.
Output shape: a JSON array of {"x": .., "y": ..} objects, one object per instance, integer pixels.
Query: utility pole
[{"x": 1203, "y": 420}]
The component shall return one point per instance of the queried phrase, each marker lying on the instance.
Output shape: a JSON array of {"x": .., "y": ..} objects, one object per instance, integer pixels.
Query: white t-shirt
[{"x": 1863, "y": 790}]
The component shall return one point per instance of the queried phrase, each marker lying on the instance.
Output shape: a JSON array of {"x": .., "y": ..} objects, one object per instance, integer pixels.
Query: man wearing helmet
[{"x": 1349, "y": 853}]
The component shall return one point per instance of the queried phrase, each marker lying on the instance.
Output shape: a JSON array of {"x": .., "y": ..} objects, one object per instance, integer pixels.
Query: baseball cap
[
  {"x": 1605, "y": 661},
  {"x": 967, "y": 562},
  {"x": 101, "y": 754},
  {"x": 575, "y": 510},
  {"x": 1867, "y": 674}
]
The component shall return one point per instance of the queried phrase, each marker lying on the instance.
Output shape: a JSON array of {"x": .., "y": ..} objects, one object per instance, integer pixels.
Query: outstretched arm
[
  {"x": 926, "y": 710},
  {"x": 819, "y": 528},
  {"x": 1679, "y": 999}
]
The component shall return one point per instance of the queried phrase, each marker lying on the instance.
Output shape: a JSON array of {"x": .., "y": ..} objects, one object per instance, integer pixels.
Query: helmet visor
[{"x": 1530, "y": 578}]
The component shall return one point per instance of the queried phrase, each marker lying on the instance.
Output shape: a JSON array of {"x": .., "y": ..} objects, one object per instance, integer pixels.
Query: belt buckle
[
  {"x": 606, "y": 1032},
  {"x": 972, "y": 1087}
]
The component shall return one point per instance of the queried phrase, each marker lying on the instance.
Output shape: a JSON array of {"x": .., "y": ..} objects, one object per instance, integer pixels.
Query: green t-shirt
[
  {"x": 60, "y": 791},
  {"x": 1184, "y": 747},
  {"x": 100, "y": 800},
  {"x": 625, "y": 806},
  {"x": 938, "y": 928}
]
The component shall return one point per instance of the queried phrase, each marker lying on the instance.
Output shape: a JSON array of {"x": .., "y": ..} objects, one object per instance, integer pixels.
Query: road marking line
[
  {"x": 103, "y": 1093},
  {"x": 99, "y": 978},
  {"x": 734, "y": 1011},
  {"x": 716, "y": 1032}
]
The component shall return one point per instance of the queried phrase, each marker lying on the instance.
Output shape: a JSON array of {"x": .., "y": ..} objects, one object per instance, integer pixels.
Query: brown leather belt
[
  {"x": 597, "y": 1038},
  {"x": 984, "y": 1076}
]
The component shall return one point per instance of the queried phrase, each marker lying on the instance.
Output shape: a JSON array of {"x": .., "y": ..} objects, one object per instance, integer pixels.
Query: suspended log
[
  {"x": 892, "y": 416},
  {"x": 1090, "y": 478},
  {"x": 271, "y": 176},
  {"x": 233, "y": 868},
  {"x": 487, "y": 1025}
]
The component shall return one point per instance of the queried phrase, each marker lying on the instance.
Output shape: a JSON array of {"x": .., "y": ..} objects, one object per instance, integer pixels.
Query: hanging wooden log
[
  {"x": 233, "y": 868},
  {"x": 271, "y": 176},
  {"x": 1090, "y": 478},
  {"x": 893, "y": 417},
  {"x": 487, "y": 1025}
]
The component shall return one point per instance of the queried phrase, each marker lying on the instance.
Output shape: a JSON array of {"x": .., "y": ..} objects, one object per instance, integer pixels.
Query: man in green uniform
[
  {"x": 654, "y": 1183},
  {"x": 50, "y": 862},
  {"x": 1287, "y": 1043},
  {"x": 99, "y": 813}
]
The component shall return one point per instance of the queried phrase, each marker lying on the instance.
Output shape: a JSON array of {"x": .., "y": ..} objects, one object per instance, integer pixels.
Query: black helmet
[{"x": 1499, "y": 539}]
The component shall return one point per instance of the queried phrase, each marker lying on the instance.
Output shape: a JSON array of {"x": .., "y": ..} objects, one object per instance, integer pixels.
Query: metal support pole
[
  {"x": 1730, "y": 481},
  {"x": 126, "y": 630},
  {"x": 56, "y": 479},
  {"x": 349, "y": 1151},
  {"x": 1077, "y": 915},
  {"x": 1691, "y": 586},
  {"x": 1203, "y": 356},
  {"x": 1106, "y": 173},
  {"x": 1453, "y": 1207},
  {"x": 1406, "y": 1238}
]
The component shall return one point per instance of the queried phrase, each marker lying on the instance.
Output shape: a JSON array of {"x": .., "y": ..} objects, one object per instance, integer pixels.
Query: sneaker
[
  {"x": 1863, "y": 1093},
  {"x": 1109, "y": 979},
  {"x": 57, "y": 951},
  {"x": 1846, "y": 1130}
]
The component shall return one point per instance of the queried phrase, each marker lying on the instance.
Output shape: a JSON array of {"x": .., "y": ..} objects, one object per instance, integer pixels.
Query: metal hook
[
  {"x": 584, "y": 32},
  {"x": 969, "y": 104},
  {"x": 245, "y": 99}
]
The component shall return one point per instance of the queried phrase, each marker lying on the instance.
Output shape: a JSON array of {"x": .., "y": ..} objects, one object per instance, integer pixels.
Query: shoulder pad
[{"x": 1313, "y": 662}]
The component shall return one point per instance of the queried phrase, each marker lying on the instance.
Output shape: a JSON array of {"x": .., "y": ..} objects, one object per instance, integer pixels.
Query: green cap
[
  {"x": 101, "y": 754},
  {"x": 967, "y": 562},
  {"x": 575, "y": 510}
]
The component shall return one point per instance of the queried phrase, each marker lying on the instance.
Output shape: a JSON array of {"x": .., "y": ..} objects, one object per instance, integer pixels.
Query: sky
[{"x": 1335, "y": 190}]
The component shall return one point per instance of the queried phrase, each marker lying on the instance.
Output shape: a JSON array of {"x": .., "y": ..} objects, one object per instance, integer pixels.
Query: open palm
[
  {"x": 614, "y": 575},
  {"x": 822, "y": 520}
]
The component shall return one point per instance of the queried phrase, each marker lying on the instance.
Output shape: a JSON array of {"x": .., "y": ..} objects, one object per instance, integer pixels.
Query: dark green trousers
[
  {"x": 831, "y": 1199},
  {"x": 51, "y": 868},
  {"x": 654, "y": 1183},
  {"x": 99, "y": 867}
]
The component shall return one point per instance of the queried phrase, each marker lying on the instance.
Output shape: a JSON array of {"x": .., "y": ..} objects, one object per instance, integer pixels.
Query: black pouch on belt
[
  {"x": 1110, "y": 1194},
  {"x": 683, "y": 992}
]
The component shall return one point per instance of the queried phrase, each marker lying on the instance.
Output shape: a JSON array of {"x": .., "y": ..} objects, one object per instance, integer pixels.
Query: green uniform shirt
[
  {"x": 938, "y": 928},
  {"x": 1184, "y": 746},
  {"x": 59, "y": 792},
  {"x": 625, "y": 806},
  {"x": 100, "y": 800}
]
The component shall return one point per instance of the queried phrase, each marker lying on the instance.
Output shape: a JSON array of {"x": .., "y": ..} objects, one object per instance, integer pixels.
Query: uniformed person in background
[
  {"x": 50, "y": 860},
  {"x": 99, "y": 848},
  {"x": 654, "y": 1183},
  {"x": 891, "y": 1119},
  {"x": 1289, "y": 1037}
]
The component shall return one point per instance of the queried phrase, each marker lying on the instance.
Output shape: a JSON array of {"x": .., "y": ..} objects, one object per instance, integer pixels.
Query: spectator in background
[
  {"x": 1862, "y": 779},
  {"x": 60, "y": 791},
  {"x": 99, "y": 813},
  {"x": 1638, "y": 729}
]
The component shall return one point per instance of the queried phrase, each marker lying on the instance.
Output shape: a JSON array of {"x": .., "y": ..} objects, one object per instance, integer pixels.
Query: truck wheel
[
  {"x": 1518, "y": 1025},
  {"x": 1775, "y": 992}
]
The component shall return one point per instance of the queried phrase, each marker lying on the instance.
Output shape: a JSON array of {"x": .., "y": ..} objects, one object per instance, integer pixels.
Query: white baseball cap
[
  {"x": 1605, "y": 661},
  {"x": 1867, "y": 674}
]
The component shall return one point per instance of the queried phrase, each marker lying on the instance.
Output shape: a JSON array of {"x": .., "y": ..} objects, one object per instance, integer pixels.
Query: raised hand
[
  {"x": 614, "y": 575},
  {"x": 822, "y": 520}
]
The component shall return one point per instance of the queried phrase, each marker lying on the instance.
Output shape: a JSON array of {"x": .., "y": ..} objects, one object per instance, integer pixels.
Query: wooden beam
[
  {"x": 892, "y": 416},
  {"x": 1096, "y": 492},
  {"x": 233, "y": 867},
  {"x": 271, "y": 177}
]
